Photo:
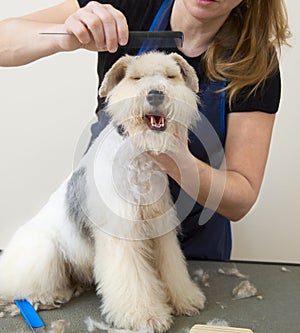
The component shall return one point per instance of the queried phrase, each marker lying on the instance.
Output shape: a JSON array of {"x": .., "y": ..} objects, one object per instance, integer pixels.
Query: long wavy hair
[{"x": 245, "y": 49}]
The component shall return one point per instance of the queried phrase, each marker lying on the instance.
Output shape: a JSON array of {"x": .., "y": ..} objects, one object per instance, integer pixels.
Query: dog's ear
[
  {"x": 188, "y": 73},
  {"x": 114, "y": 75}
]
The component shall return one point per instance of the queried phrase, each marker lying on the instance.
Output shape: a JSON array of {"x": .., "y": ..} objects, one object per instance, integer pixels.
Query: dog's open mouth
[{"x": 156, "y": 122}]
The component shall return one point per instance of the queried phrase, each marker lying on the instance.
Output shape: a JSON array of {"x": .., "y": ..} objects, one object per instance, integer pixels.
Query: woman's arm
[
  {"x": 246, "y": 152},
  {"x": 235, "y": 188},
  {"x": 95, "y": 27}
]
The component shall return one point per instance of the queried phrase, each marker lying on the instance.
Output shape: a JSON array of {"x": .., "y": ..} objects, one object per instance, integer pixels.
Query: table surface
[{"x": 277, "y": 310}]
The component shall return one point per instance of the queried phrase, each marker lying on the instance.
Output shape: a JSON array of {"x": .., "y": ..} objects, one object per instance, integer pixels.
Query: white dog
[{"x": 113, "y": 222}]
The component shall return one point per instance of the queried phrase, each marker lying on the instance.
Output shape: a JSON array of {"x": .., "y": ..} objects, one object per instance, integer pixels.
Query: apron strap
[{"x": 160, "y": 22}]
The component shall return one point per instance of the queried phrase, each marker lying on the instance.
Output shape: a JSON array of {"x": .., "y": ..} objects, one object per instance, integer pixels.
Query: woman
[{"x": 232, "y": 46}]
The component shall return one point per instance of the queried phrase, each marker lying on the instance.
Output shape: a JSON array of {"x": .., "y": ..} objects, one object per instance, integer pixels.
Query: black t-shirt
[{"x": 140, "y": 14}]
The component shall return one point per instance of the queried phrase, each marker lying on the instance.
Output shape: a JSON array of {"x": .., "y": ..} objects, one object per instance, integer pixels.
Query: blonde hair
[{"x": 244, "y": 51}]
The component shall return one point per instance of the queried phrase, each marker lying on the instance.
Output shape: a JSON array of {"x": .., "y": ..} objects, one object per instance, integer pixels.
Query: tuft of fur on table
[{"x": 244, "y": 290}]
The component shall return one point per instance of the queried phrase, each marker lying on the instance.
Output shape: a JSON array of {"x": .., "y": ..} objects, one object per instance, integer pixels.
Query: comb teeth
[{"x": 146, "y": 39}]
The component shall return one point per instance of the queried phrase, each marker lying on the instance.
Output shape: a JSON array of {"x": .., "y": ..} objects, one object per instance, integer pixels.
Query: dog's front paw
[
  {"x": 157, "y": 319},
  {"x": 189, "y": 304},
  {"x": 159, "y": 325},
  {"x": 153, "y": 322}
]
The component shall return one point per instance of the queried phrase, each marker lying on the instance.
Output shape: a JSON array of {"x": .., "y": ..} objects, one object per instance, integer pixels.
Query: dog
[{"x": 112, "y": 223}]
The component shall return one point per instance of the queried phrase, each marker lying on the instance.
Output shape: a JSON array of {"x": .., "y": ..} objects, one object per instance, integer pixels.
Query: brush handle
[{"x": 218, "y": 329}]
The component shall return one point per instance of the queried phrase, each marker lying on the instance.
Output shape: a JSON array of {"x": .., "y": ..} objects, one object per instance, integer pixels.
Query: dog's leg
[
  {"x": 31, "y": 267},
  {"x": 42, "y": 254},
  {"x": 186, "y": 298},
  {"x": 132, "y": 294}
]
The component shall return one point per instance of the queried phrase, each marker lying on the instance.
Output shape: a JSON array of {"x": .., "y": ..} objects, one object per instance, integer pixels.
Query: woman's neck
[{"x": 198, "y": 34}]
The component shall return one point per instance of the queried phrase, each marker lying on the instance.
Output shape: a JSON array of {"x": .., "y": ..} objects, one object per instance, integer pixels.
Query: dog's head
[{"x": 153, "y": 95}]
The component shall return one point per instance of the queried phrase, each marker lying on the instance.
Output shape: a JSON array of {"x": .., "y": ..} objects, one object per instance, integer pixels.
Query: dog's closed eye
[{"x": 171, "y": 74}]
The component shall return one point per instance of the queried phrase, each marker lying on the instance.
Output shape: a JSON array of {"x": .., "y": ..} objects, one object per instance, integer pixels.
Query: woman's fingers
[
  {"x": 98, "y": 27},
  {"x": 121, "y": 25}
]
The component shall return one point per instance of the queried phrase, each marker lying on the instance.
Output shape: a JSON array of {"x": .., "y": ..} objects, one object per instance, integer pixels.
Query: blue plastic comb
[{"x": 30, "y": 315}]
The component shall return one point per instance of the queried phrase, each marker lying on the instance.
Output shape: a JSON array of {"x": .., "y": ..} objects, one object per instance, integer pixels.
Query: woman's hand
[
  {"x": 96, "y": 27},
  {"x": 182, "y": 166},
  {"x": 172, "y": 162}
]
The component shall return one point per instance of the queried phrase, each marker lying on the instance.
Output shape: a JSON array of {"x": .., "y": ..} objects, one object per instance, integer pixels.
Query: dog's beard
[
  {"x": 156, "y": 130},
  {"x": 146, "y": 139}
]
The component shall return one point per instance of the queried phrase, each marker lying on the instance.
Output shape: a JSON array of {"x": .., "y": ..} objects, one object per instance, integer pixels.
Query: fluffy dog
[{"x": 112, "y": 223}]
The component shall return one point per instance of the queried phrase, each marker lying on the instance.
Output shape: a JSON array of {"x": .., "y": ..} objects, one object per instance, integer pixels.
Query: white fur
[{"x": 132, "y": 253}]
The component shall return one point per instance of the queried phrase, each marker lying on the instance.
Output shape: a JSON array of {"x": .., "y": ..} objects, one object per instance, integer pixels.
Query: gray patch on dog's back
[{"x": 76, "y": 201}]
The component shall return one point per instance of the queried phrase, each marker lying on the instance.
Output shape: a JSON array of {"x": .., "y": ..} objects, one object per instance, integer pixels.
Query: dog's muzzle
[{"x": 155, "y": 120}]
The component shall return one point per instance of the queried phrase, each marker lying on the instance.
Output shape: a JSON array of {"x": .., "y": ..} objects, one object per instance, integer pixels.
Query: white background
[{"x": 46, "y": 106}]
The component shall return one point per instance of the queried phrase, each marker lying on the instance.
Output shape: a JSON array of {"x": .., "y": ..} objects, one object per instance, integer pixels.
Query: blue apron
[{"x": 204, "y": 233}]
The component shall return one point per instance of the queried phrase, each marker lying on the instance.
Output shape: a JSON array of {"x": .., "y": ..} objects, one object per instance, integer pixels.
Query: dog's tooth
[{"x": 152, "y": 121}]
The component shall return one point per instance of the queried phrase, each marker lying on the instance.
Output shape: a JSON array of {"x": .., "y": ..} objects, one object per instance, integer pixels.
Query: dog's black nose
[{"x": 155, "y": 97}]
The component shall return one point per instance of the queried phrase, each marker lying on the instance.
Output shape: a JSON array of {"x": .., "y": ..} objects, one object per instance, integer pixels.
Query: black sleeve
[
  {"x": 139, "y": 14},
  {"x": 82, "y": 3},
  {"x": 118, "y": 4},
  {"x": 266, "y": 98}
]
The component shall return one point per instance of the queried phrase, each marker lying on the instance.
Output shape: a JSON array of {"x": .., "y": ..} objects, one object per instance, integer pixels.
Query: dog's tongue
[{"x": 155, "y": 122}]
